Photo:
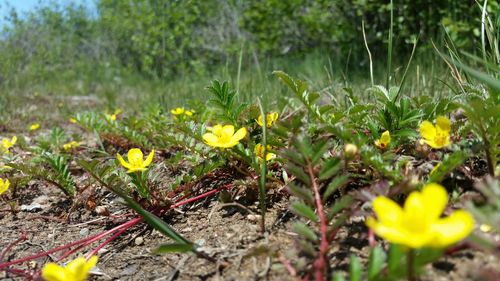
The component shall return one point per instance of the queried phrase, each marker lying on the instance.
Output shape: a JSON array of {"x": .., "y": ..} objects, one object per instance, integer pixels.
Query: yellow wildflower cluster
[
  {"x": 70, "y": 145},
  {"x": 259, "y": 152},
  {"x": 181, "y": 110},
  {"x": 270, "y": 119}
]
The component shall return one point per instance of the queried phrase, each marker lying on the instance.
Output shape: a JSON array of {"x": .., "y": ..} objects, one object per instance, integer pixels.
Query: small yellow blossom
[
  {"x": 135, "y": 160},
  {"x": 224, "y": 136},
  {"x": 34, "y": 127},
  {"x": 178, "y": 111},
  {"x": 111, "y": 117},
  {"x": 350, "y": 150},
  {"x": 72, "y": 120},
  {"x": 4, "y": 185},
  {"x": 75, "y": 270},
  {"x": 436, "y": 136},
  {"x": 7, "y": 144},
  {"x": 384, "y": 140},
  {"x": 70, "y": 145},
  {"x": 259, "y": 151},
  {"x": 270, "y": 119},
  {"x": 189, "y": 112},
  {"x": 419, "y": 224}
]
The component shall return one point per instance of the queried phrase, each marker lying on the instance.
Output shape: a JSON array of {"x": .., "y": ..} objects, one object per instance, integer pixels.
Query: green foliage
[{"x": 225, "y": 103}]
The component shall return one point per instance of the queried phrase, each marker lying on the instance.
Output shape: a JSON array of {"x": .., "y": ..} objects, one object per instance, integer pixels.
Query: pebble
[
  {"x": 84, "y": 232},
  {"x": 253, "y": 218},
  {"x": 139, "y": 241}
]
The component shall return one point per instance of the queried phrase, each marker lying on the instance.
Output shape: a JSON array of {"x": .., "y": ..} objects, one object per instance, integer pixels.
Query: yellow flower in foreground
[
  {"x": 436, "y": 136},
  {"x": 384, "y": 140},
  {"x": 4, "y": 185},
  {"x": 419, "y": 224},
  {"x": 70, "y": 145},
  {"x": 135, "y": 160},
  {"x": 178, "y": 111},
  {"x": 7, "y": 144},
  {"x": 259, "y": 151},
  {"x": 270, "y": 119},
  {"x": 75, "y": 270},
  {"x": 224, "y": 136},
  {"x": 34, "y": 127}
]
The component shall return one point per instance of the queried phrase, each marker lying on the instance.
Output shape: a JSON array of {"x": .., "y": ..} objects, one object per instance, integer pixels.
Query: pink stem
[
  {"x": 106, "y": 242},
  {"x": 320, "y": 263}
]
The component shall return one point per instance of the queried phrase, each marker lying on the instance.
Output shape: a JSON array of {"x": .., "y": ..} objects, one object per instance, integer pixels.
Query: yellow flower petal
[
  {"x": 443, "y": 124},
  {"x": 387, "y": 211},
  {"x": 135, "y": 157},
  {"x": 436, "y": 196},
  {"x": 228, "y": 130},
  {"x": 239, "y": 135},
  {"x": 452, "y": 229},
  {"x": 210, "y": 138},
  {"x": 122, "y": 161},
  {"x": 149, "y": 159},
  {"x": 54, "y": 272},
  {"x": 427, "y": 130}
]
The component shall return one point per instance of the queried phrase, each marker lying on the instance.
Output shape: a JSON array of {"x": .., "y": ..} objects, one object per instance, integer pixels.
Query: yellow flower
[
  {"x": 436, "y": 136},
  {"x": 7, "y": 144},
  {"x": 259, "y": 151},
  {"x": 224, "y": 136},
  {"x": 70, "y": 145},
  {"x": 384, "y": 140},
  {"x": 111, "y": 117},
  {"x": 75, "y": 270},
  {"x": 4, "y": 185},
  {"x": 419, "y": 224},
  {"x": 135, "y": 160},
  {"x": 485, "y": 228},
  {"x": 72, "y": 120},
  {"x": 178, "y": 111},
  {"x": 34, "y": 127},
  {"x": 189, "y": 112},
  {"x": 270, "y": 119}
]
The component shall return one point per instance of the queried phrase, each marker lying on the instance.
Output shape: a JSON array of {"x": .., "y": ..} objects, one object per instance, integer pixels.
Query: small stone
[
  {"x": 84, "y": 232},
  {"x": 139, "y": 241},
  {"x": 253, "y": 218},
  {"x": 101, "y": 210}
]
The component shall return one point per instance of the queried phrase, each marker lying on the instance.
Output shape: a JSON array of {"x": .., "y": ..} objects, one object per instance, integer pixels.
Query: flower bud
[{"x": 350, "y": 150}]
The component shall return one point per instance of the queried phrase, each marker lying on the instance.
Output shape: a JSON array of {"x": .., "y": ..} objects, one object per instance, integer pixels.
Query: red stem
[
  {"x": 120, "y": 228},
  {"x": 320, "y": 264}
]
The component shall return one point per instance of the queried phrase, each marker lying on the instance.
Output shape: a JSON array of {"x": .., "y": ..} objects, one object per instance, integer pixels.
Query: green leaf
[
  {"x": 303, "y": 210},
  {"x": 338, "y": 277},
  {"x": 334, "y": 185},
  {"x": 355, "y": 269},
  {"x": 302, "y": 193},
  {"x": 305, "y": 231},
  {"x": 339, "y": 206},
  {"x": 331, "y": 167},
  {"x": 375, "y": 263},
  {"x": 395, "y": 259},
  {"x": 174, "y": 248}
]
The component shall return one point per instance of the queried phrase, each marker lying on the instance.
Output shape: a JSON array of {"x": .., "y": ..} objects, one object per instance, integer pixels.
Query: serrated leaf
[
  {"x": 298, "y": 172},
  {"x": 303, "y": 210},
  {"x": 302, "y": 193},
  {"x": 339, "y": 206},
  {"x": 334, "y": 185},
  {"x": 304, "y": 231},
  {"x": 331, "y": 167}
]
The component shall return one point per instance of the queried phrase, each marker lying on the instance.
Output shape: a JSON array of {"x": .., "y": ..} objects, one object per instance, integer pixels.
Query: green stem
[{"x": 410, "y": 262}]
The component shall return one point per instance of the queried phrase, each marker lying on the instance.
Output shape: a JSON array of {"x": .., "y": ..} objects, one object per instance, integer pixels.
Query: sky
[{"x": 26, "y": 5}]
